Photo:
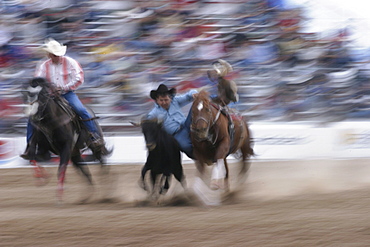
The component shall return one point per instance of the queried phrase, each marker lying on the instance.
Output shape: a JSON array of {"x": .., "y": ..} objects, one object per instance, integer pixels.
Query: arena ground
[{"x": 282, "y": 203}]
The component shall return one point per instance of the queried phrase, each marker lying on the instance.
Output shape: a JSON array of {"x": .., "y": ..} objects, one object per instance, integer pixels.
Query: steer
[{"x": 164, "y": 158}]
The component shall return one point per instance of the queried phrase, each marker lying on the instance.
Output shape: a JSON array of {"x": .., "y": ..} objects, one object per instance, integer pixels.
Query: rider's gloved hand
[{"x": 60, "y": 90}]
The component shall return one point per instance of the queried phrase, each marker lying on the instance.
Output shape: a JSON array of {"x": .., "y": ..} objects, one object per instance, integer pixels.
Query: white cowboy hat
[{"x": 54, "y": 47}]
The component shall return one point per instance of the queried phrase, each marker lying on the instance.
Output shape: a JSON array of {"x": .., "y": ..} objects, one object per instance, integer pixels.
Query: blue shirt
[{"x": 172, "y": 118}]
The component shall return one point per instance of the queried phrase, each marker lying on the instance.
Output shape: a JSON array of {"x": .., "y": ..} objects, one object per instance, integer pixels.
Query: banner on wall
[
  {"x": 271, "y": 142},
  {"x": 8, "y": 151}
]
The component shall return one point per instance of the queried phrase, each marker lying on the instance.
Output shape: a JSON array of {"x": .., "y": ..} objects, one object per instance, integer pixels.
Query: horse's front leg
[
  {"x": 220, "y": 171},
  {"x": 81, "y": 166},
  {"x": 39, "y": 172},
  {"x": 155, "y": 185},
  {"x": 164, "y": 187},
  {"x": 141, "y": 181},
  {"x": 219, "y": 174},
  {"x": 61, "y": 177},
  {"x": 64, "y": 159}
]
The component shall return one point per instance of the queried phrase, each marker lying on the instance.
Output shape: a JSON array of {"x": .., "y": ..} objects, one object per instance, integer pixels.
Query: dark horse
[
  {"x": 213, "y": 142},
  {"x": 59, "y": 130},
  {"x": 163, "y": 160}
]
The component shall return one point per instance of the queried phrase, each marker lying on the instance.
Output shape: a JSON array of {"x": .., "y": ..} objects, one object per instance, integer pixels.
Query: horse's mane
[
  {"x": 48, "y": 88},
  {"x": 203, "y": 96},
  {"x": 42, "y": 82}
]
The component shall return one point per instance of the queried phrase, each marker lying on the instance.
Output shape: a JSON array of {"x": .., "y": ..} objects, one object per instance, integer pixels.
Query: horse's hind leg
[
  {"x": 103, "y": 162},
  {"x": 81, "y": 166},
  {"x": 226, "y": 185},
  {"x": 245, "y": 164},
  {"x": 247, "y": 151}
]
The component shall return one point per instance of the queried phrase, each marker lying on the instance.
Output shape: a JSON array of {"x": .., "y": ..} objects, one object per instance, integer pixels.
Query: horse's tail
[{"x": 250, "y": 150}]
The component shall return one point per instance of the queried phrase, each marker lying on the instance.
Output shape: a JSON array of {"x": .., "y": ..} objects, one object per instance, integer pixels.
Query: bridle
[
  {"x": 41, "y": 105},
  {"x": 41, "y": 115},
  {"x": 210, "y": 122}
]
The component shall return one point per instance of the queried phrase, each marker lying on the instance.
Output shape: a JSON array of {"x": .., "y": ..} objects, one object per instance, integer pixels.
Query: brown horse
[{"x": 213, "y": 142}]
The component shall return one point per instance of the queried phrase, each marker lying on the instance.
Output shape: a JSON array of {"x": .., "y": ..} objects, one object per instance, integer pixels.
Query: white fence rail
[{"x": 285, "y": 141}]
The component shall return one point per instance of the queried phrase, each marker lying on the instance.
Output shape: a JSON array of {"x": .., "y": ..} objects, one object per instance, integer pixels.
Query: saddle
[
  {"x": 77, "y": 121},
  {"x": 230, "y": 116},
  {"x": 64, "y": 105}
]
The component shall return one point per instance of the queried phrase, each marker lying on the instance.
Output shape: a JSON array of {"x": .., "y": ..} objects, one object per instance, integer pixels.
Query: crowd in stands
[{"x": 127, "y": 48}]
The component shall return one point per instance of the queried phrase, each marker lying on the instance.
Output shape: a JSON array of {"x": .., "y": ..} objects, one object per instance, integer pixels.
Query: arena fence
[{"x": 272, "y": 141}]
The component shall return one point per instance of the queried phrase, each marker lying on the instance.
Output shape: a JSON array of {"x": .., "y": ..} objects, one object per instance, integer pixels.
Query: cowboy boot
[{"x": 96, "y": 141}]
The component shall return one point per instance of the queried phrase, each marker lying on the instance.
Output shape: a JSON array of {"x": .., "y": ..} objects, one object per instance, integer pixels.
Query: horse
[
  {"x": 213, "y": 140},
  {"x": 59, "y": 130},
  {"x": 163, "y": 160}
]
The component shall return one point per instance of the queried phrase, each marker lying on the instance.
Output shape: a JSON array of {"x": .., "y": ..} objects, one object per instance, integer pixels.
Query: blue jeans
[
  {"x": 80, "y": 110},
  {"x": 183, "y": 137}
]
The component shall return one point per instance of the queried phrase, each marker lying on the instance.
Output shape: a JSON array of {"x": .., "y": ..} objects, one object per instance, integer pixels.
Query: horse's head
[
  {"x": 151, "y": 129},
  {"x": 38, "y": 88},
  {"x": 202, "y": 118}
]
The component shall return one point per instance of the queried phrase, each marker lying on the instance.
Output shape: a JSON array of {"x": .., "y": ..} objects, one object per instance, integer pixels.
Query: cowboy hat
[
  {"x": 222, "y": 67},
  {"x": 161, "y": 90},
  {"x": 54, "y": 47}
]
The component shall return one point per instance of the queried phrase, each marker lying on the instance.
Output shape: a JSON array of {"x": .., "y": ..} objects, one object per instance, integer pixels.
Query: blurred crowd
[{"x": 127, "y": 48}]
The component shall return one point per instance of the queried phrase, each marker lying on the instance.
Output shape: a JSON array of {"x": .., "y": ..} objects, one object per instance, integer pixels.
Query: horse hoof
[
  {"x": 41, "y": 181},
  {"x": 218, "y": 184},
  {"x": 214, "y": 185},
  {"x": 42, "y": 177}
]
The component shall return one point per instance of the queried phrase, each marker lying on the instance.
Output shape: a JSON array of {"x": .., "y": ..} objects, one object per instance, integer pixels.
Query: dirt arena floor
[{"x": 284, "y": 203}]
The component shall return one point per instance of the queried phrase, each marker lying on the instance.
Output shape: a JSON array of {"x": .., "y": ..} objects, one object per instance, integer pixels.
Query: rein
[
  {"x": 41, "y": 111},
  {"x": 54, "y": 122}
]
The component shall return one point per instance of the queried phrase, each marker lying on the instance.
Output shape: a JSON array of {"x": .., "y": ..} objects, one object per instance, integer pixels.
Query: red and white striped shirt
[{"x": 68, "y": 74}]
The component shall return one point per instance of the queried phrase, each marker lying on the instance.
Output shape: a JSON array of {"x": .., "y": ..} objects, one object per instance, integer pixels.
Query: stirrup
[{"x": 96, "y": 141}]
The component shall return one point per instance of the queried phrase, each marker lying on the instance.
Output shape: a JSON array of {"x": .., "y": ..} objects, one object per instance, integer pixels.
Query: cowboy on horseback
[
  {"x": 66, "y": 75},
  {"x": 226, "y": 89}
]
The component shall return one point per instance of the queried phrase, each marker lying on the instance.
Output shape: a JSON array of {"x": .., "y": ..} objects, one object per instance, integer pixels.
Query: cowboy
[
  {"x": 226, "y": 89},
  {"x": 67, "y": 75},
  {"x": 168, "y": 109}
]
